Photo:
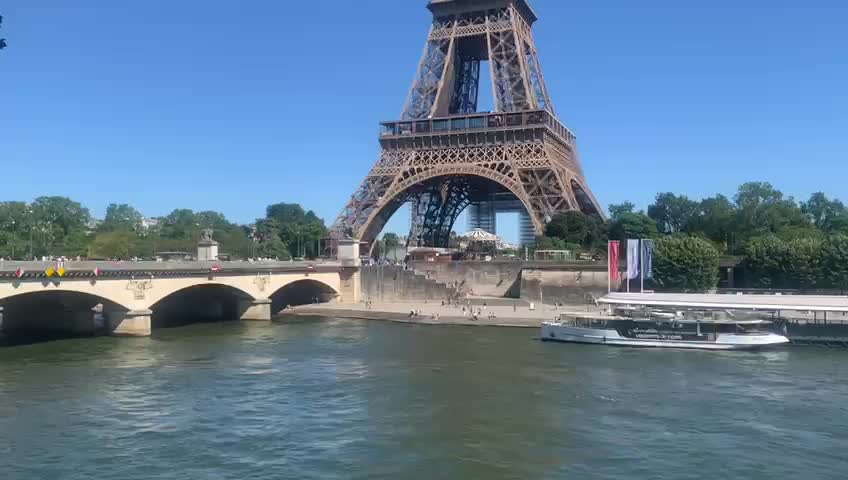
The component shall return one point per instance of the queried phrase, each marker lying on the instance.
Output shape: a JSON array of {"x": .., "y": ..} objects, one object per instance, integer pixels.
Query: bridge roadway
[{"x": 131, "y": 294}]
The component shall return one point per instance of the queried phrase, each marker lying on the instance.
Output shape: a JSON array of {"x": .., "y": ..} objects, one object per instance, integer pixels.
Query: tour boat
[{"x": 665, "y": 332}]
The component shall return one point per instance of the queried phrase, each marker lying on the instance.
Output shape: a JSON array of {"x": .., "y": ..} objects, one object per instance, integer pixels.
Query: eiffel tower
[{"x": 444, "y": 156}]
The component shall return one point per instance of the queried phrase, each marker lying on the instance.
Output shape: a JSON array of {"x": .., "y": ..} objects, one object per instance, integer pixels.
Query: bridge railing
[{"x": 9, "y": 270}]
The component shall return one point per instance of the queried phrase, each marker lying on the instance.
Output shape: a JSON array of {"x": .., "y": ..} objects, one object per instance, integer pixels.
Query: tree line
[
  {"x": 59, "y": 226},
  {"x": 782, "y": 243}
]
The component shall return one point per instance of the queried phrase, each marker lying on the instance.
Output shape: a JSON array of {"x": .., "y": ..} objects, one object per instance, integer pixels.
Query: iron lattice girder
[
  {"x": 435, "y": 208},
  {"x": 440, "y": 143},
  {"x": 517, "y": 83},
  {"x": 540, "y": 174}
]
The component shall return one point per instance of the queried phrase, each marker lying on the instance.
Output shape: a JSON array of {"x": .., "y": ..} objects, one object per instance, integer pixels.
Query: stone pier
[
  {"x": 134, "y": 323},
  {"x": 259, "y": 309}
]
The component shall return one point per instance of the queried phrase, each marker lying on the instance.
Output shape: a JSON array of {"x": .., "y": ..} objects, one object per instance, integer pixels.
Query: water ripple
[{"x": 339, "y": 399}]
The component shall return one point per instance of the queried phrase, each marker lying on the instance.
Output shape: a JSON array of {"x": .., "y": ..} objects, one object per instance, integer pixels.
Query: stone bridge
[{"x": 131, "y": 298}]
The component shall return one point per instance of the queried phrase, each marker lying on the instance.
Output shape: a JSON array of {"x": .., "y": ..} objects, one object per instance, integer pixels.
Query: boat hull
[{"x": 557, "y": 332}]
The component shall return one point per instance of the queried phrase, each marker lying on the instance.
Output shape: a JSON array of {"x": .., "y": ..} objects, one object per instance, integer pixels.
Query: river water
[{"x": 340, "y": 399}]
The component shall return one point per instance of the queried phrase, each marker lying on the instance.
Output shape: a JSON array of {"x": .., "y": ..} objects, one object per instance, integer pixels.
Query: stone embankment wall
[
  {"x": 485, "y": 279},
  {"x": 396, "y": 284},
  {"x": 564, "y": 286},
  {"x": 532, "y": 281}
]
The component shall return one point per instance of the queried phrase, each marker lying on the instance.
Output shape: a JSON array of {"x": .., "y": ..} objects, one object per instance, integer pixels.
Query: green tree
[
  {"x": 835, "y": 260},
  {"x": 685, "y": 263},
  {"x": 715, "y": 221},
  {"x": 59, "y": 226},
  {"x": 180, "y": 230},
  {"x": 626, "y": 223},
  {"x": 117, "y": 244},
  {"x": 673, "y": 213},
  {"x": 391, "y": 244},
  {"x": 803, "y": 263},
  {"x": 618, "y": 209},
  {"x": 577, "y": 228},
  {"x": 378, "y": 250},
  {"x": 826, "y": 214},
  {"x": 268, "y": 237},
  {"x": 391, "y": 240},
  {"x": 300, "y": 230},
  {"x": 180, "y": 225},
  {"x": 554, "y": 243},
  {"x": 766, "y": 260},
  {"x": 15, "y": 223},
  {"x": 762, "y": 210},
  {"x": 633, "y": 225},
  {"x": 573, "y": 227},
  {"x": 120, "y": 217}
]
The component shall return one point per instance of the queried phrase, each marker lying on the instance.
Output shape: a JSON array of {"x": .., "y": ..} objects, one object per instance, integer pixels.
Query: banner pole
[
  {"x": 642, "y": 266},
  {"x": 609, "y": 267}
]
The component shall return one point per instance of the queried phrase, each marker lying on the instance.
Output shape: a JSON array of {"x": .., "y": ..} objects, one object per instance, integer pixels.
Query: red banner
[{"x": 612, "y": 255}]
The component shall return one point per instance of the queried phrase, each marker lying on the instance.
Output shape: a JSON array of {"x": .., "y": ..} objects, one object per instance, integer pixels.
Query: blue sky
[{"x": 231, "y": 106}]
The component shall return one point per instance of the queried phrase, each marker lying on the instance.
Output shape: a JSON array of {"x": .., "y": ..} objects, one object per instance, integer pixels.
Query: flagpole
[
  {"x": 641, "y": 266},
  {"x": 609, "y": 267},
  {"x": 627, "y": 275}
]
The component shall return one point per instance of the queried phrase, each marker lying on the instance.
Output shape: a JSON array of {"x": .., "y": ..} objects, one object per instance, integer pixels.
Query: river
[{"x": 340, "y": 399}]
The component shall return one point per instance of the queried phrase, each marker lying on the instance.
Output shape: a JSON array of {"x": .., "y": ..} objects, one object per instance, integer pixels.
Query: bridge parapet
[{"x": 129, "y": 269}]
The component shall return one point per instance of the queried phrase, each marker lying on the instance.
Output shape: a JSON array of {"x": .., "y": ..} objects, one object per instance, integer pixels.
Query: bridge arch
[
  {"x": 201, "y": 302},
  {"x": 498, "y": 175},
  {"x": 56, "y": 312},
  {"x": 301, "y": 292}
]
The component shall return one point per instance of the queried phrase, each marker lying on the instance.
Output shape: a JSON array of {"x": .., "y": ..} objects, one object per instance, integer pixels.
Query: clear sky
[{"x": 231, "y": 106}]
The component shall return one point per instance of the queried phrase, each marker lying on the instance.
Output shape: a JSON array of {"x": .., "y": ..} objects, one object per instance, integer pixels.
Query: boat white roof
[{"x": 816, "y": 303}]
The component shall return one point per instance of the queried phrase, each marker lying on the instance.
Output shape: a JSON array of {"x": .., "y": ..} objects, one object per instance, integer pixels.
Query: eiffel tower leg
[{"x": 435, "y": 212}]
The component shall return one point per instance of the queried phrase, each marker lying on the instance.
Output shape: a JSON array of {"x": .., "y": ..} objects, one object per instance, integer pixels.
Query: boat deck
[{"x": 804, "y": 303}]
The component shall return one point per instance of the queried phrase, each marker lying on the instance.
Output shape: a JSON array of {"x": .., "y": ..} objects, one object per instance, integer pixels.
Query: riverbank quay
[
  {"x": 516, "y": 316},
  {"x": 801, "y": 328}
]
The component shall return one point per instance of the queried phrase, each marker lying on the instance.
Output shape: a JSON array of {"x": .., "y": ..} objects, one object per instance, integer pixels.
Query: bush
[
  {"x": 835, "y": 260},
  {"x": 687, "y": 264},
  {"x": 766, "y": 259},
  {"x": 775, "y": 263}
]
